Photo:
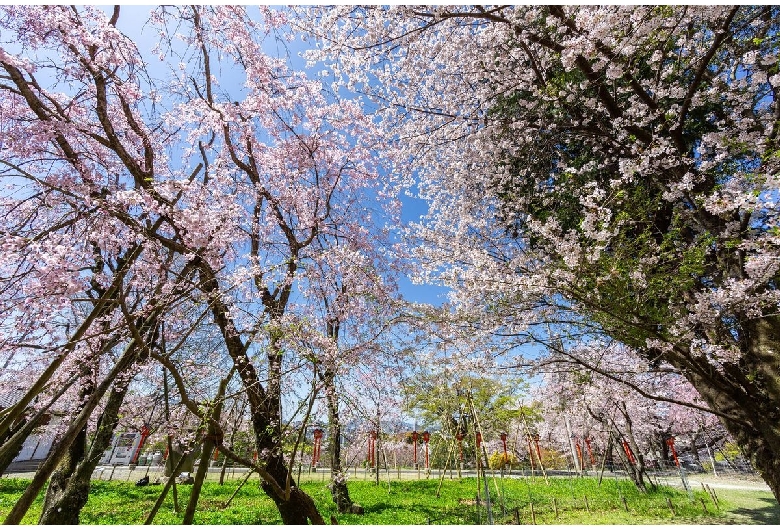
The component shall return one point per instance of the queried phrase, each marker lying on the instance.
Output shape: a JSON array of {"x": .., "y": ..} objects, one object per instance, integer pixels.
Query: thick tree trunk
[
  {"x": 69, "y": 486},
  {"x": 69, "y": 437},
  {"x": 59, "y": 507},
  {"x": 264, "y": 406},
  {"x": 75, "y": 453},
  {"x": 747, "y": 393},
  {"x": 298, "y": 508}
]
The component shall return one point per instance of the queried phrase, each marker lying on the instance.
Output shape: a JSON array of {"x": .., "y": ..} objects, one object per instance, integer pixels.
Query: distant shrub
[{"x": 499, "y": 459}]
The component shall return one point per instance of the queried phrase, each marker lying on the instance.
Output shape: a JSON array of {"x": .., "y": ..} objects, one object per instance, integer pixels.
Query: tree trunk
[
  {"x": 637, "y": 466},
  {"x": 69, "y": 486},
  {"x": 747, "y": 393},
  {"x": 24, "y": 428},
  {"x": 264, "y": 406},
  {"x": 75, "y": 453},
  {"x": 298, "y": 508},
  {"x": 338, "y": 480},
  {"x": 69, "y": 437},
  {"x": 212, "y": 439}
]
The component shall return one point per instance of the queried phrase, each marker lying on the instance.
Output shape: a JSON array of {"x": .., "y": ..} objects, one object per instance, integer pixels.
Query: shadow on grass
[
  {"x": 768, "y": 514},
  {"x": 430, "y": 514}
]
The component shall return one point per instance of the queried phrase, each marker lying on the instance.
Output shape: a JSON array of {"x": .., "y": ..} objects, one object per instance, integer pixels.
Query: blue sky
[{"x": 131, "y": 22}]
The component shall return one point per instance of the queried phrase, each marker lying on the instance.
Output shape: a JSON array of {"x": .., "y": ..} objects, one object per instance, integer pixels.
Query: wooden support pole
[
  {"x": 604, "y": 459},
  {"x": 713, "y": 496},
  {"x": 671, "y": 508},
  {"x": 227, "y": 503},
  {"x": 447, "y": 463}
]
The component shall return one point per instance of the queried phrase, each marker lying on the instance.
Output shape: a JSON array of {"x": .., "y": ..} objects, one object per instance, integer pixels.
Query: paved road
[{"x": 723, "y": 481}]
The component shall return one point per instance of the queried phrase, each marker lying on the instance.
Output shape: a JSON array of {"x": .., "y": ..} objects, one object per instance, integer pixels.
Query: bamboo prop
[
  {"x": 479, "y": 459},
  {"x": 213, "y": 433},
  {"x": 301, "y": 432},
  {"x": 517, "y": 434},
  {"x": 243, "y": 481},
  {"x": 632, "y": 445},
  {"x": 538, "y": 451},
  {"x": 45, "y": 470},
  {"x": 387, "y": 467},
  {"x": 495, "y": 483},
  {"x": 620, "y": 451},
  {"x": 232, "y": 439},
  {"x": 625, "y": 460},
  {"x": 671, "y": 508},
  {"x": 164, "y": 492},
  {"x": 375, "y": 451},
  {"x": 168, "y": 437},
  {"x": 604, "y": 460},
  {"x": 446, "y": 464},
  {"x": 575, "y": 464},
  {"x": 713, "y": 496}
]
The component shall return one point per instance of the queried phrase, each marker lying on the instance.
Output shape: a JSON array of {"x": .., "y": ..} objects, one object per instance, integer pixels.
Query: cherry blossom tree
[
  {"x": 208, "y": 195},
  {"x": 605, "y": 393},
  {"x": 615, "y": 166},
  {"x": 349, "y": 325}
]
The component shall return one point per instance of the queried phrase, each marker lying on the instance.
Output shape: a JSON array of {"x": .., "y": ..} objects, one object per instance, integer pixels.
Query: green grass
[{"x": 415, "y": 502}]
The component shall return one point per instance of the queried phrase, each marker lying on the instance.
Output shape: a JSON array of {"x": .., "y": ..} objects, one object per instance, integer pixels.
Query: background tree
[
  {"x": 448, "y": 403},
  {"x": 223, "y": 195},
  {"x": 615, "y": 166}
]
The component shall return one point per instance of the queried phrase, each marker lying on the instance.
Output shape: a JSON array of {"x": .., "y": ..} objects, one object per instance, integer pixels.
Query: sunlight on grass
[{"x": 563, "y": 501}]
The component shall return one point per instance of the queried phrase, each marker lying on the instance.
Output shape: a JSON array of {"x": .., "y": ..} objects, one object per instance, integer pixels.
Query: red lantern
[
  {"x": 317, "y": 446},
  {"x": 414, "y": 441},
  {"x": 630, "y": 453},
  {"x": 426, "y": 439},
  {"x": 371, "y": 445},
  {"x": 459, "y": 437},
  {"x": 670, "y": 443},
  {"x": 590, "y": 451},
  {"x": 144, "y": 435}
]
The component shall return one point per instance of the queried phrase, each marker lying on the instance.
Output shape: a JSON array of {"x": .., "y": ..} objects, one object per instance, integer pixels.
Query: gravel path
[{"x": 723, "y": 481}]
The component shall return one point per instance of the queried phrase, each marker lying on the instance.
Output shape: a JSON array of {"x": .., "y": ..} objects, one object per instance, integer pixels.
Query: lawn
[{"x": 563, "y": 501}]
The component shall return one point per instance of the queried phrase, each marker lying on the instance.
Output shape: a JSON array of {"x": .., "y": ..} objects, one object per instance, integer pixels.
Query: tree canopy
[{"x": 612, "y": 167}]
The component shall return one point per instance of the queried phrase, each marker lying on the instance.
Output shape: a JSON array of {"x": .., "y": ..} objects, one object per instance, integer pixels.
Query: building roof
[{"x": 10, "y": 397}]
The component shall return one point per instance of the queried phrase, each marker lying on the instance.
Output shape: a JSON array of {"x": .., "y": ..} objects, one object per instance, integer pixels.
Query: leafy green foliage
[
  {"x": 446, "y": 404},
  {"x": 499, "y": 460}
]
